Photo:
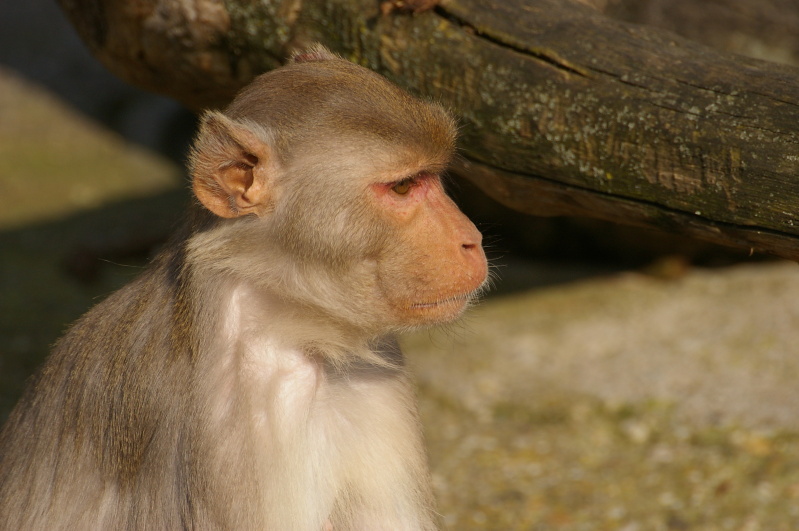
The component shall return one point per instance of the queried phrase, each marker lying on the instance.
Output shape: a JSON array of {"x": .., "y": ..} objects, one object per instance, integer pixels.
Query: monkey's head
[{"x": 325, "y": 180}]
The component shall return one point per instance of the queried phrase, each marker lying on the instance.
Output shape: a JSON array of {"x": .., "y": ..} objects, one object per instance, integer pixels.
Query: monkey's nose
[
  {"x": 475, "y": 261},
  {"x": 473, "y": 252},
  {"x": 472, "y": 241}
]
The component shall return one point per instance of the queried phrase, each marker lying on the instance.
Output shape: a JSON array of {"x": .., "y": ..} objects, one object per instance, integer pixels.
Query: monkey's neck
[{"x": 236, "y": 314}]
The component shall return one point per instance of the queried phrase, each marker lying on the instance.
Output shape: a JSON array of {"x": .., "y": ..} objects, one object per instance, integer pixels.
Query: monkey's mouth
[{"x": 458, "y": 299}]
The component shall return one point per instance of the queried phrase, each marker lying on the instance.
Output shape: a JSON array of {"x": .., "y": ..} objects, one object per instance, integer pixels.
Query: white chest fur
[{"x": 344, "y": 442}]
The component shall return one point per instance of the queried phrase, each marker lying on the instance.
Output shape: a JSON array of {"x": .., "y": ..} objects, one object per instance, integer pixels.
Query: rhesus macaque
[{"x": 249, "y": 378}]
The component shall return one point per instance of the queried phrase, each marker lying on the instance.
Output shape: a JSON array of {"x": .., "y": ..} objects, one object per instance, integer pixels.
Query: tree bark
[
  {"x": 564, "y": 111},
  {"x": 765, "y": 29}
]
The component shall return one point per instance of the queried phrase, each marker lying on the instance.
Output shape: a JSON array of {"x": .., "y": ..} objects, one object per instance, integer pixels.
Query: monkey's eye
[{"x": 403, "y": 187}]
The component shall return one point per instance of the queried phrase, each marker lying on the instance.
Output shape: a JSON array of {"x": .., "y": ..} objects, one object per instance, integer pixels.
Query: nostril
[{"x": 469, "y": 246}]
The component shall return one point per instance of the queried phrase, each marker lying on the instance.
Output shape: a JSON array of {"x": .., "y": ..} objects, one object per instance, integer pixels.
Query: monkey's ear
[{"x": 229, "y": 166}]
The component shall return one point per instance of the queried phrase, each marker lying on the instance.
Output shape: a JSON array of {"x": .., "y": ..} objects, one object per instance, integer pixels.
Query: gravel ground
[{"x": 625, "y": 402}]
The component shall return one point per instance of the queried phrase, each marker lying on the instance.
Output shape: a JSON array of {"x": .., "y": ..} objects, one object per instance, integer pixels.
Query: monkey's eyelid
[{"x": 415, "y": 177}]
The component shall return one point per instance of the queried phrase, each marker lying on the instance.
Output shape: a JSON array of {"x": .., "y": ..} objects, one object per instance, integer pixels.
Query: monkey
[{"x": 250, "y": 377}]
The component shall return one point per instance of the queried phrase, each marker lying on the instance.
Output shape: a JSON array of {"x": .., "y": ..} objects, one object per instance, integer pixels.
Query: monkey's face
[
  {"x": 434, "y": 263},
  {"x": 385, "y": 252}
]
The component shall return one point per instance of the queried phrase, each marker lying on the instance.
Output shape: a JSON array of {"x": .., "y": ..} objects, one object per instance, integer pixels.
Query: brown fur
[{"x": 249, "y": 379}]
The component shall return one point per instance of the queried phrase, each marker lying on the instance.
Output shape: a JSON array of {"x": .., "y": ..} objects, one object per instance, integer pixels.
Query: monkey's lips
[{"x": 456, "y": 300}]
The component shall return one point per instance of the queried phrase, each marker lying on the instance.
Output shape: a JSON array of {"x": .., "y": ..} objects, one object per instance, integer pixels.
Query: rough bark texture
[{"x": 564, "y": 110}]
